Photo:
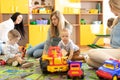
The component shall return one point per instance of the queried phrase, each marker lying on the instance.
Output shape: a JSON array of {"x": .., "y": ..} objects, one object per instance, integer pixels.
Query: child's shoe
[
  {"x": 15, "y": 63},
  {"x": 27, "y": 65}
]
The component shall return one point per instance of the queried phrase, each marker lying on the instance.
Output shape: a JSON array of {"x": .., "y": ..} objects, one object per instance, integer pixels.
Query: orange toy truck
[{"x": 54, "y": 61}]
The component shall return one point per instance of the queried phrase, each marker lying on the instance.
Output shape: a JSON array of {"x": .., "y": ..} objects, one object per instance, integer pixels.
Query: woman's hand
[{"x": 44, "y": 52}]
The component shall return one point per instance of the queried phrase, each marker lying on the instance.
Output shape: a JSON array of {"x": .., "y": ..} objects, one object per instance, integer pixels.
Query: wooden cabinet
[
  {"x": 68, "y": 6},
  {"x": 39, "y": 20},
  {"x": 91, "y": 13},
  {"x": 71, "y": 13},
  {"x": 13, "y": 6},
  {"x": 37, "y": 34},
  {"x": 87, "y": 35},
  {"x": 73, "y": 10}
]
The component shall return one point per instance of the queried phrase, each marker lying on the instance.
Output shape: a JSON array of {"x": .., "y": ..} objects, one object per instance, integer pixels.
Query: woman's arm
[{"x": 47, "y": 43}]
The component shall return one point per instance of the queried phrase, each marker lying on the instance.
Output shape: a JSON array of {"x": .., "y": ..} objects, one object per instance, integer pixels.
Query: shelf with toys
[
  {"x": 39, "y": 15},
  {"x": 91, "y": 21},
  {"x": 40, "y": 11}
]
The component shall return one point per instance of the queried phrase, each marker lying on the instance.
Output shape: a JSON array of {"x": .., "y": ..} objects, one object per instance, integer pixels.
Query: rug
[{"x": 34, "y": 73}]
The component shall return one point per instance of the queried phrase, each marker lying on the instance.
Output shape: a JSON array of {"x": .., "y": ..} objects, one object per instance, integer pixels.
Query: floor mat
[{"x": 34, "y": 73}]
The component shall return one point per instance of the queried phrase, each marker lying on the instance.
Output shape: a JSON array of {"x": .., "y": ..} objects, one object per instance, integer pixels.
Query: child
[
  {"x": 67, "y": 45},
  {"x": 109, "y": 25},
  {"x": 11, "y": 50}
]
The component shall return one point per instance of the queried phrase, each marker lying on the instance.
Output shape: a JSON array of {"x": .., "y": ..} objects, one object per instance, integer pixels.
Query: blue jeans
[{"x": 36, "y": 51}]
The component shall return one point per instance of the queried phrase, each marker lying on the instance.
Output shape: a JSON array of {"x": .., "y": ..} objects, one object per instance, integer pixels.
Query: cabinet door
[
  {"x": 67, "y": 6},
  {"x": 21, "y": 6},
  {"x": 45, "y": 32},
  {"x": 7, "y": 6},
  {"x": 87, "y": 37},
  {"x": 35, "y": 34}
]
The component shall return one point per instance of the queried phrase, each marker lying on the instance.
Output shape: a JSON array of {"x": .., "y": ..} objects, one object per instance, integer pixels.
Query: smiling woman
[
  {"x": 58, "y": 22},
  {"x": 14, "y": 22}
]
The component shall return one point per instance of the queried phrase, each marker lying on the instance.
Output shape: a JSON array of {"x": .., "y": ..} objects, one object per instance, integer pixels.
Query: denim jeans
[{"x": 36, "y": 51}]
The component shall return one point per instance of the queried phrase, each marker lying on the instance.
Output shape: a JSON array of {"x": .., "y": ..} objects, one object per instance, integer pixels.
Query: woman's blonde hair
[
  {"x": 115, "y": 5},
  {"x": 61, "y": 22},
  {"x": 12, "y": 34}
]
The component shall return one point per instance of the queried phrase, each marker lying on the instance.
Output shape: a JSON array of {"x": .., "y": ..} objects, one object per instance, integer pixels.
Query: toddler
[
  {"x": 11, "y": 51},
  {"x": 67, "y": 46}
]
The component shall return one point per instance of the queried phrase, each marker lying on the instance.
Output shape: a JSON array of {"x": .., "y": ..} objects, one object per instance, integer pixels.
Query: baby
[
  {"x": 11, "y": 51},
  {"x": 67, "y": 46}
]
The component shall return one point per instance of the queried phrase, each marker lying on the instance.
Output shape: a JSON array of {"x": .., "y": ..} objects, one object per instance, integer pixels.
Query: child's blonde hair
[
  {"x": 12, "y": 34},
  {"x": 66, "y": 30}
]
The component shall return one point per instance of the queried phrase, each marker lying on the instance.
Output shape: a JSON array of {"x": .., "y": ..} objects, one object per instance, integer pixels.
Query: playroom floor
[{"x": 34, "y": 73}]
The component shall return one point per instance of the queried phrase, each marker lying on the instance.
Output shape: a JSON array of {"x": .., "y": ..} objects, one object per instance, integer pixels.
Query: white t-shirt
[
  {"x": 5, "y": 27},
  {"x": 9, "y": 50},
  {"x": 69, "y": 46}
]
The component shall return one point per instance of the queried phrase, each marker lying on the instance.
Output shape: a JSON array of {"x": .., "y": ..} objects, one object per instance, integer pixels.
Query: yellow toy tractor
[{"x": 54, "y": 61}]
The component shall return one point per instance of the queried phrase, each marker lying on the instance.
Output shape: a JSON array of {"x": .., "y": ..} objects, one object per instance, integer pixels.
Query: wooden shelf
[
  {"x": 41, "y": 13},
  {"x": 90, "y": 0},
  {"x": 87, "y": 30},
  {"x": 75, "y": 25},
  {"x": 71, "y": 14},
  {"x": 91, "y": 14}
]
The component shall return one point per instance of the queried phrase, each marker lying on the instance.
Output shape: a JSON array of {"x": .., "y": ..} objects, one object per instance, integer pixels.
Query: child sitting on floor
[
  {"x": 11, "y": 51},
  {"x": 67, "y": 46}
]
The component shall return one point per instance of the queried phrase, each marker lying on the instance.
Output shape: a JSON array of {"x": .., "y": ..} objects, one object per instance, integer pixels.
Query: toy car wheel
[
  {"x": 44, "y": 65},
  {"x": 82, "y": 76},
  {"x": 40, "y": 61},
  {"x": 68, "y": 77},
  {"x": 100, "y": 78},
  {"x": 115, "y": 77}
]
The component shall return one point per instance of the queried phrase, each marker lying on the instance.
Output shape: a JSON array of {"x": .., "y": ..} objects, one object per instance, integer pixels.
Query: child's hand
[
  {"x": 22, "y": 49},
  {"x": 68, "y": 60},
  {"x": 64, "y": 52},
  {"x": 44, "y": 53},
  {"x": 17, "y": 55}
]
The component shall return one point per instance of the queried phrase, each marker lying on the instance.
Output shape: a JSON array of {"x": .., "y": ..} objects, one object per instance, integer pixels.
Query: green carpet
[{"x": 34, "y": 73}]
